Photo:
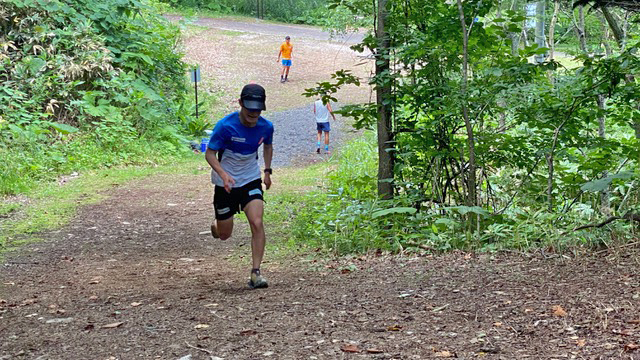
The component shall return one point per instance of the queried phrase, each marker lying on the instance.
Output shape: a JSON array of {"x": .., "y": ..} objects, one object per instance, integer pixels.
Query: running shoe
[{"x": 257, "y": 281}]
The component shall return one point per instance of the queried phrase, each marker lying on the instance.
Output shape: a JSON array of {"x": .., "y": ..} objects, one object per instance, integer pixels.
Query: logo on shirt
[{"x": 238, "y": 139}]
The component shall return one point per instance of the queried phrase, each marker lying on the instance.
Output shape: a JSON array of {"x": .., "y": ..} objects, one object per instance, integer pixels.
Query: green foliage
[
  {"x": 87, "y": 84},
  {"x": 356, "y": 169},
  {"x": 313, "y": 12},
  {"x": 334, "y": 221},
  {"x": 543, "y": 162}
]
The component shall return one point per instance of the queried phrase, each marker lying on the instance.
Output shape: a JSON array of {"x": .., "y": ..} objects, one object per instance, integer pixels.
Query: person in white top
[{"x": 322, "y": 113}]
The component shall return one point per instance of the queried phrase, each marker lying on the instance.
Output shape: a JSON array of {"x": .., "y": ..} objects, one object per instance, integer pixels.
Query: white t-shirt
[{"x": 322, "y": 113}]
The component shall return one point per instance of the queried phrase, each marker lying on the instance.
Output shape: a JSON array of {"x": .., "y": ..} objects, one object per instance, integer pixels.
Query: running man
[
  {"x": 232, "y": 153},
  {"x": 322, "y": 113},
  {"x": 285, "y": 51}
]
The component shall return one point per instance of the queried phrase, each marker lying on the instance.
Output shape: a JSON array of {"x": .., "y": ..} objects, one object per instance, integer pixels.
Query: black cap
[
  {"x": 287, "y": 37},
  {"x": 253, "y": 97}
]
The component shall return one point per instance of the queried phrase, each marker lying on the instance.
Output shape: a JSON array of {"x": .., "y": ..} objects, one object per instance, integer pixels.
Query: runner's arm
[
  {"x": 268, "y": 155},
  {"x": 212, "y": 159},
  {"x": 280, "y": 53},
  {"x": 331, "y": 111}
]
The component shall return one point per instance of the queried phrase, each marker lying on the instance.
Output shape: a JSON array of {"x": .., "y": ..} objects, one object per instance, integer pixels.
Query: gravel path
[
  {"x": 264, "y": 28},
  {"x": 295, "y": 136}
]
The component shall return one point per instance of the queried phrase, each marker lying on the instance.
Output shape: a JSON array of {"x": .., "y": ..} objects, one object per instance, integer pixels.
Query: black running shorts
[{"x": 228, "y": 204}]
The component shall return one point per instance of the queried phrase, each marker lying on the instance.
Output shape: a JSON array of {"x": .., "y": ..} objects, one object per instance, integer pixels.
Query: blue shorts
[
  {"x": 286, "y": 62},
  {"x": 324, "y": 126}
]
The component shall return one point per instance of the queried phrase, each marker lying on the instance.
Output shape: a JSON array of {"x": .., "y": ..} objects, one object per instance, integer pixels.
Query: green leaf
[
  {"x": 462, "y": 210},
  {"x": 36, "y": 64},
  {"x": 395, "y": 210},
  {"x": 602, "y": 184},
  {"x": 64, "y": 128}
]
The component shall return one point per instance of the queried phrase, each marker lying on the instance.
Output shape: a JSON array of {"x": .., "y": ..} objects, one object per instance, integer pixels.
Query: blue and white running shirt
[{"x": 239, "y": 147}]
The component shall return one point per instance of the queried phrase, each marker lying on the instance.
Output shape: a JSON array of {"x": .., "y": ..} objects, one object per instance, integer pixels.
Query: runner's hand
[
  {"x": 267, "y": 180},
  {"x": 228, "y": 181}
]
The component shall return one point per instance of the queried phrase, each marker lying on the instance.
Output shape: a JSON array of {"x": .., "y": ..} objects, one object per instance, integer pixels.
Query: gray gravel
[{"x": 294, "y": 140}]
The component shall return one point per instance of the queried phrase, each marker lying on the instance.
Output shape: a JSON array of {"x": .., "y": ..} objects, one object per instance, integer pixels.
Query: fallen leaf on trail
[
  {"x": 93, "y": 297},
  {"x": 134, "y": 304},
  {"x": 468, "y": 256},
  {"x": 625, "y": 332},
  {"x": 375, "y": 351},
  {"x": 201, "y": 326},
  {"x": 28, "y": 302},
  {"x": 440, "y": 308},
  {"x": 497, "y": 324},
  {"x": 350, "y": 348},
  {"x": 95, "y": 280},
  {"x": 248, "y": 332},
  {"x": 394, "y": 328},
  {"x": 528, "y": 310},
  {"x": 112, "y": 325},
  {"x": 629, "y": 322},
  {"x": 444, "y": 354},
  {"x": 581, "y": 342},
  {"x": 558, "y": 311},
  {"x": 631, "y": 347}
]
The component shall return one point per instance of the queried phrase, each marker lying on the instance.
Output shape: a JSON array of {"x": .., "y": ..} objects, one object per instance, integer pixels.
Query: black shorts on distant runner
[{"x": 228, "y": 204}]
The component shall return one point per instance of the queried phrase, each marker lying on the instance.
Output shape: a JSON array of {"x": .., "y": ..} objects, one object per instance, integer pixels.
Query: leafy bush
[
  {"x": 87, "y": 84},
  {"x": 345, "y": 216}
]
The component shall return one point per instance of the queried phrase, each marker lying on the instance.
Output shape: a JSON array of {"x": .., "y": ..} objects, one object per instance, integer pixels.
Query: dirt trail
[
  {"x": 133, "y": 278},
  {"x": 262, "y": 27}
]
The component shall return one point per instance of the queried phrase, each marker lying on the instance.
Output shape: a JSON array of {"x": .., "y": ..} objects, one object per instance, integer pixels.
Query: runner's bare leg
[
  {"x": 254, "y": 211},
  {"x": 225, "y": 228}
]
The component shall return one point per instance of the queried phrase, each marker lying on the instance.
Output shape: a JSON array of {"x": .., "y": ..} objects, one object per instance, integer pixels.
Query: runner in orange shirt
[{"x": 285, "y": 51}]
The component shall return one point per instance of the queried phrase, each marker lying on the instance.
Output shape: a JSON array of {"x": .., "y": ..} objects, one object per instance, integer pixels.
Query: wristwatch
[{"x": 268, "y": 170}]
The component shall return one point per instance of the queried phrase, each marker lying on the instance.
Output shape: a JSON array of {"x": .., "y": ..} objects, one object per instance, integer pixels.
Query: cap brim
[{"x": 254, "y": 105}]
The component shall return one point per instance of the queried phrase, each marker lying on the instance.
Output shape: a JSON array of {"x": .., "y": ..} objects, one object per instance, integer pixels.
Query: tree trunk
[
  {"x": 619, "y": 35},
  {"x": 540, "y": 38},
  {"x": 613, "y": 24},
  {"x": 605, "y": 36},
  {"x": 383, "y": 99},
  {"x": 605, "y": 207},
  {"x": 552, "y": 29},
  {"x": 525, "y": 39},
  {"x": 515, "y": 37},
  {"x": 471, "y": 179},
  {"x": 580, "y": 30},
  {"x": 550, "y": 160}
]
